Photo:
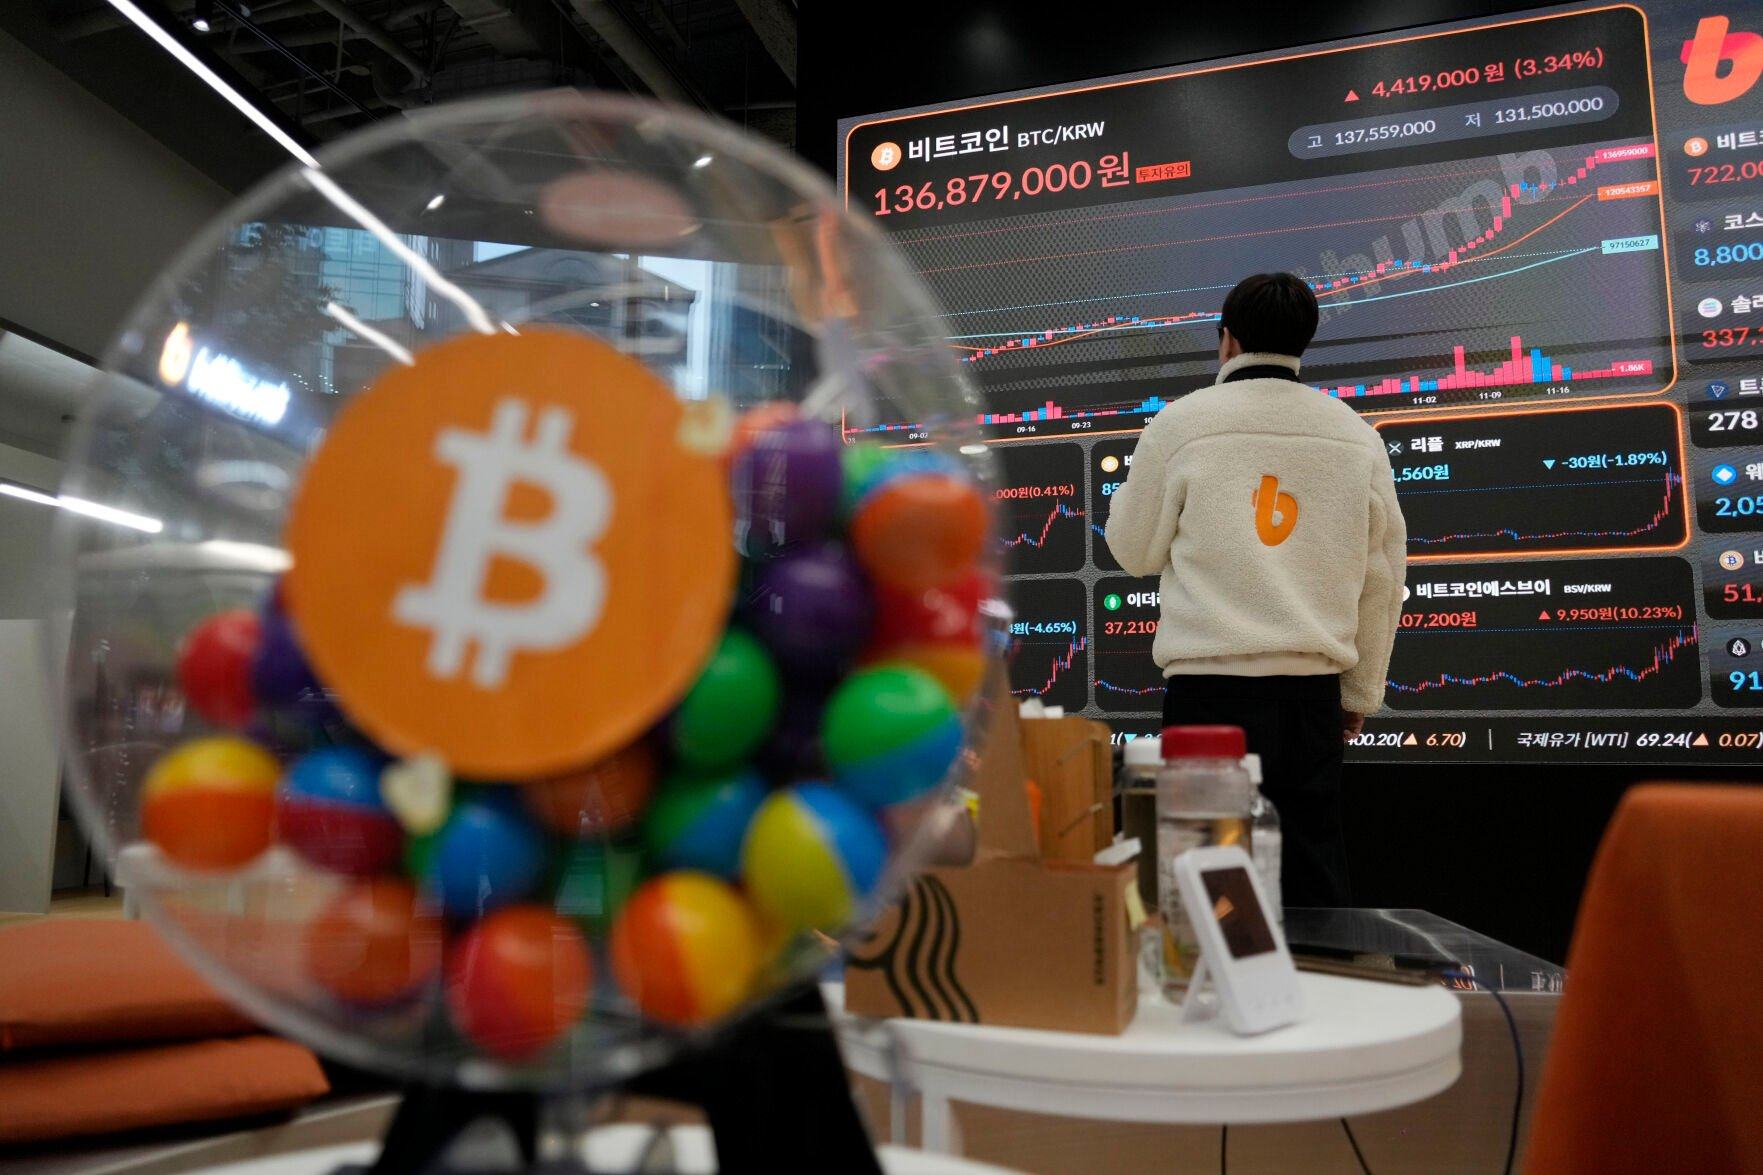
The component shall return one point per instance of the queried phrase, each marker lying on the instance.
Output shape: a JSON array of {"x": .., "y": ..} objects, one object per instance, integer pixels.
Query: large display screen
[{"x": 1537, "y": 241}]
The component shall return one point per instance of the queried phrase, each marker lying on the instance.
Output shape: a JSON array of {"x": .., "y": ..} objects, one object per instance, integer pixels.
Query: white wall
[{"x": 91, "y": 206}]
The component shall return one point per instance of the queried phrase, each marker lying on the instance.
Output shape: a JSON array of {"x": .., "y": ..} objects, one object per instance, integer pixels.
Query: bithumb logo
[
  {"x": 1713, "y": 46},
  {"x": 1276, "y": 512}
]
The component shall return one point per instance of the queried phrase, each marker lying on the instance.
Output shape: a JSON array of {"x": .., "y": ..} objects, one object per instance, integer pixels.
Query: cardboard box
[
  {"x": 1071, "y": 759},
  {"x": 1010, "y": 939}
]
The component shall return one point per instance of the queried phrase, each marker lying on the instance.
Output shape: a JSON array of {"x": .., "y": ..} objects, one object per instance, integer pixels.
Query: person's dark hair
[{"x": 1271, "y": 312}]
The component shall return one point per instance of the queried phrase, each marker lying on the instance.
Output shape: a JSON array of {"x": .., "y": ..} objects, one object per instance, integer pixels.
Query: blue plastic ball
[
  {"x": 812, "y": 856},
  {"x": 329, "y": 810},
  {"x": 490, "y": 853},
  {"x": 699, "y": 822}
]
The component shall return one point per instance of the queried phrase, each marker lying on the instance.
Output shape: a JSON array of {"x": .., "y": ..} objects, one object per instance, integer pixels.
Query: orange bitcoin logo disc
[{"x": 514, "y": 554}]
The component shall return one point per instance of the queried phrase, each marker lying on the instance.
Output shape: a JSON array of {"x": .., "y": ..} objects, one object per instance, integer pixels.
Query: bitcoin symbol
[
  {"x": 453, "y": 605},
  {"x": 476, "y": 570}
]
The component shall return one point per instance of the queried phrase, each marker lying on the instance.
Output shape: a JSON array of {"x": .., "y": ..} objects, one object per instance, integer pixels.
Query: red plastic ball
[
  {"x": 943, "y": 614},
  {"x": 518, "y": 980},
  {"x": 603, "y": 798},
  {"x": 373, "y": 944},
  {"x": 920, "y": 531},
  {"x": 214, "y": 666}
]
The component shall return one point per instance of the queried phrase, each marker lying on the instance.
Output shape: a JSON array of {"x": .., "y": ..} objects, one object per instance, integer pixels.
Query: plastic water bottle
[
  {"x": 1265, "y": 838},
  {"x": 1203, "y": 799}
]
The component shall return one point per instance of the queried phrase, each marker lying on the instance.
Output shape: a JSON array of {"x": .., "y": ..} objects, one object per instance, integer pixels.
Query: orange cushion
[
  {"x": 100, "y": 981},
  {"x": 59, "y": 1096},
  {"x": 1657, "y": 1058}
]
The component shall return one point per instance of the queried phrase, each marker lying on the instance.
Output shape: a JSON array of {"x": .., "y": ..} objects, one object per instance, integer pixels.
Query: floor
[{"x": 86, "y": 903}]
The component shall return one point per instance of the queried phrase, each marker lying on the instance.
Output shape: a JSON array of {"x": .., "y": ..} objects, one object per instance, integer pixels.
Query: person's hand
[{"x": 1352, "y": 725}]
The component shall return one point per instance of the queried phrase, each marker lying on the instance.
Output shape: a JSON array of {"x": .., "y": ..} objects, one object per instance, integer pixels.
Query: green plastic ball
[
  {"x": 593, "y": 882},
  {"x": 890, "y": 734},
  {"x": 861, "y": 464},
  {"x": 730, "y": 710},
  {"x": 699, "y": 822}
]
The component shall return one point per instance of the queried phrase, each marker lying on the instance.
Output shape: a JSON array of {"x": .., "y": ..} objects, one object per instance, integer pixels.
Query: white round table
[
  {"x": 608, "y": 1150},
  {"x": 1361, "y": 1047}
]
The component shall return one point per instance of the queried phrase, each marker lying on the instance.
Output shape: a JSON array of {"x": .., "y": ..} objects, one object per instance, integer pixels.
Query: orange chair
[{"x": 1657, "y": 1057}]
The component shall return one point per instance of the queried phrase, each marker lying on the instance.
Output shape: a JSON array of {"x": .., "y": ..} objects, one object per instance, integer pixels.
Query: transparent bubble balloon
[{"x": 532, "y": 577}]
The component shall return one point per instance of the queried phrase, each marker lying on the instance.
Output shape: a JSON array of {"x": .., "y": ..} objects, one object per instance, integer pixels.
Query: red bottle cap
[{"x": 1203, "y": 742}]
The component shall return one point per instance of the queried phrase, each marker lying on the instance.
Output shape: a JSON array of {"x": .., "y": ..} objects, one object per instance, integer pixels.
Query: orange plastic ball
[
  {"x": 373, "y": 944},
  {"x": 687, "y": 947},
  {"x": 958, "y": 668},
  {"x": 210, "y": 803},
  {"x": 920, "y": 530},
  {"x": 518, "y": 980},
  {"x": 607, "y": 797},
  {"x": 756, "y": 420}
]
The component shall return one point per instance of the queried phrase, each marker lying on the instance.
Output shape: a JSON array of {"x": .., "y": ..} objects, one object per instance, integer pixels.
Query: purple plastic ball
[
  {"x": 786, "y": 486},
  {"x": 282, "y": 677},
  {"x": 812, "y": 609}
]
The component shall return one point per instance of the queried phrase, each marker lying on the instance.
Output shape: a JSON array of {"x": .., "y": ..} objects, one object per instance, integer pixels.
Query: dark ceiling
[{"x": 324, "y": 67}]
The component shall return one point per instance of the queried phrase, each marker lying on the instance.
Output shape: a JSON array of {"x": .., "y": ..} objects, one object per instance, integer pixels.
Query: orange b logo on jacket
[{"x": 1276, "y": 512}]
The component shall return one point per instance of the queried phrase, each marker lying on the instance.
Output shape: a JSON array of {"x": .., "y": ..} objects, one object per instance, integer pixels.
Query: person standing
[{"x": 1269, "y": 511}]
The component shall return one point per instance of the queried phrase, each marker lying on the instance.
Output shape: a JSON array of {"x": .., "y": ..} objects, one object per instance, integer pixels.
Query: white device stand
[{"x": 1200, "y": 1003}]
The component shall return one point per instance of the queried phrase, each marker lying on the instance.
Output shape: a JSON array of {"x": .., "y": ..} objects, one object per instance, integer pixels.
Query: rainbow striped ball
[
  {"x": 686, "y": 948},
  {"x": 890, "y": 734},
  {"x": 210, "y": 803},
  {"x": 812, "y": 855},
  {"x": 699, "y": 822},
  {"x": 329, "y": 810}
]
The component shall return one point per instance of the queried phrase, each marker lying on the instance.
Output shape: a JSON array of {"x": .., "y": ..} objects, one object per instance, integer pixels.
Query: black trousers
[{"x": 1294, "y": 724}]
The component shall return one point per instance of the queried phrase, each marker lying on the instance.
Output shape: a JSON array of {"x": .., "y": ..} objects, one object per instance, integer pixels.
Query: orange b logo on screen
[
  {"x": 1276, "y": 512},
  {"x": 1712, "y": 48},
  {"x": 885, "y": 157},
  {"x": 513, "y": 554}
]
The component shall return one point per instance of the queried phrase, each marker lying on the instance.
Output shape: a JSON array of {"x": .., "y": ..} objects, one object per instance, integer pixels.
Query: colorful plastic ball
[
  {"x": 517, "y": 980},
  {"x": 373, "y": 945},
  {"x": 947, "y": 613},
  {"x": 489, "y": 854},
  {"x": 686, "y": 948},
  {"x": 891, "y": 733},
  {"x": 594, "y": 881},
  {"x": 959, "y": 669},
  {"x": 786, "y": 485},
  {"x": 282, "y": 678},
  {"x": 757, "y": 420},
  {"x": 214, "y": 666},
  {"x": 699, "y": 822},
  {"x": 728, "y": 712},
  {"x": 869, "y": 467},
  {"x": 812, "y": 609},
  {"x": 812, "y": 856},
  {"x": 920, "y": 531},
  {"x": 330, "y": 811},
  {"x": 861, "y": 466},
  {"x": 604, "y": 798},
  {"x": 937, "y": 629},
  {"x": 210, "y": 802}
]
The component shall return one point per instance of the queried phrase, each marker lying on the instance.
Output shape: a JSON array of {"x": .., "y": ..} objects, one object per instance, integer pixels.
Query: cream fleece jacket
[{"x": 1270, "y": 512}]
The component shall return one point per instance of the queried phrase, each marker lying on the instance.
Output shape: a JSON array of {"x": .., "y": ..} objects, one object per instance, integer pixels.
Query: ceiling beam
[
  {"x": 376, "y": 36},
  {"x": 632, "y": 45},
  {"x": 774, "y": 22}
]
